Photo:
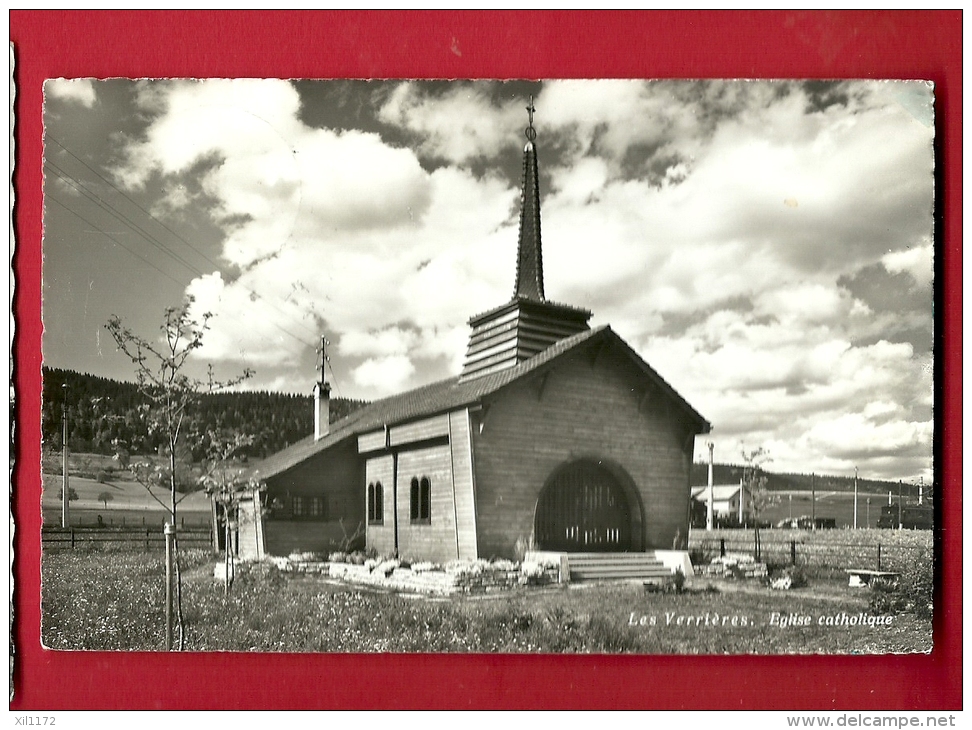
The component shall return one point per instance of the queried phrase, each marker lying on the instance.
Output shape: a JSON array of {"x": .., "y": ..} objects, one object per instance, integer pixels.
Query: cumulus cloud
[
  {"x": 459, "y": 125},
  {"x": 915, "y": 260},
  {"x": 743, "y": 237},
  {"x": 386, "y": 375},
  {"x": 79, "y": 91},
  {"x": 327, "y": 231}
]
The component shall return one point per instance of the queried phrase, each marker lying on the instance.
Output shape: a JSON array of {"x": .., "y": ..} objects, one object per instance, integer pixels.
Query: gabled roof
[
  {"x": 719, "y": 492},
  {"x": 446, "y": 395}
]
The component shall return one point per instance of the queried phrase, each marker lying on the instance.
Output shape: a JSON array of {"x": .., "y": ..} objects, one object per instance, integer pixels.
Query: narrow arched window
[
  {"x": 425, "y": 499},
  {"x": 413, "y": 499},
  {"x": 420, "y": 500},
  {"x": 376, "y": 506}
]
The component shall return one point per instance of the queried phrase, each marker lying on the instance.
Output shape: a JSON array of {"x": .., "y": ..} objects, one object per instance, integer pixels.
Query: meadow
[
  {"x": 112, "y": 600},
  {"x": 130, "y": 503},
  {"x": 837, "y": 505}
]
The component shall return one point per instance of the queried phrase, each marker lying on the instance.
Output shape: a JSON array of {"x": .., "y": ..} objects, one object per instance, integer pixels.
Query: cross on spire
[{"x": 531, "y": 133}]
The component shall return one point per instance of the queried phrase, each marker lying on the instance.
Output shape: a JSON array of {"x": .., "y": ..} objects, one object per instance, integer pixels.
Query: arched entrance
[{"x": 584, "y": 508}]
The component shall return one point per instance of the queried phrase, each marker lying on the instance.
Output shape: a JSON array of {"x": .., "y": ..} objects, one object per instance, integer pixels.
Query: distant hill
[
  {"x": 732, "y": 473},
  {"x": 100, "y": 410}
]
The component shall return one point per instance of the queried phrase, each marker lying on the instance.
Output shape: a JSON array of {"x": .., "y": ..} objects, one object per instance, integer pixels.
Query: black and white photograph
[{"x": 572, "y": 366}]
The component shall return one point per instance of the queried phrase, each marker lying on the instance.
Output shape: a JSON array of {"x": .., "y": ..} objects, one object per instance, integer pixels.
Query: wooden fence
[
  {"x": 121, "y": 537},
  {"x": 834, "y": 556}
]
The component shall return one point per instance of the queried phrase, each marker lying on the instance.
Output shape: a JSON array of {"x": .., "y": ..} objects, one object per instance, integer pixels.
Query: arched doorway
[{"x": 583, "y": 508}]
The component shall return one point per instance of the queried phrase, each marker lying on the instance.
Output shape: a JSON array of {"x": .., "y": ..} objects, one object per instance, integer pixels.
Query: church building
[{"x": 555, "y": 434}]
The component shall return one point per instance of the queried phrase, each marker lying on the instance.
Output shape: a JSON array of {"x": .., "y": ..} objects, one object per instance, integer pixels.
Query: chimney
[
  {"x": 322, "y": 397},
  {"x": 322, "y": 410}
]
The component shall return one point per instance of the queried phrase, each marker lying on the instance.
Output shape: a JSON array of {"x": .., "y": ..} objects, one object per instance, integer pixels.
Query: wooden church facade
[{"x": 554, "y": 434}]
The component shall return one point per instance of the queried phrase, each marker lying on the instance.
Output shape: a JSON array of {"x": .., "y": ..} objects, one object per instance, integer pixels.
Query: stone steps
[{"x": 615, "y": 566}]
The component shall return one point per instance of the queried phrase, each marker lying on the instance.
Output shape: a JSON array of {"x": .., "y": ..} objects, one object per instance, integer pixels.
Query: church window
[
  {"x": 376, "y": 507},
  {"x": 308, "y": 508},
  {"x": 420, "y": 498}
]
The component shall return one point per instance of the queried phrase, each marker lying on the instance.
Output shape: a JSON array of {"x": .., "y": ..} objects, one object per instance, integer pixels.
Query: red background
[{"x": 871, "y": 44}]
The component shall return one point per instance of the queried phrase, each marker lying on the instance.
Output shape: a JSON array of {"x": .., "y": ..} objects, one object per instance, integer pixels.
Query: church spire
[
  {"x": 529, "y": 257},
  {"x": 528, "y": 324}
]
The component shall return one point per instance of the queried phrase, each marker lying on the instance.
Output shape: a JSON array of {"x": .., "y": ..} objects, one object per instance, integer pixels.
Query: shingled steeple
[
  {"x": 528, "y": 324},
  {"x": 529, "y": 254}
]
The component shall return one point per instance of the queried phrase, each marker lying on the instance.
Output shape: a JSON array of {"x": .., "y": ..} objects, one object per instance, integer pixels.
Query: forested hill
[
  {"x": 732, "y": 473},
  {"x": 100, "y": 410}
]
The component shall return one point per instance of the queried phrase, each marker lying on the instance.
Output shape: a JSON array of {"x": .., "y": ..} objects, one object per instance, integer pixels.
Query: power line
[
  {"x": 101, "y": 230},
  {"x": 111, "y": 209},
  {"x": 133, "y": 202},
  {"x": 183, "y": 284},
  {"x": 95, "y": 198},
  {"x": 174, "y": 233}
]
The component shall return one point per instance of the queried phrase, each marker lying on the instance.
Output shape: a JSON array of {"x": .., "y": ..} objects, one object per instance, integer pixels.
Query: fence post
[
  {"x": 879, "y": 556},
  {"x": 722, "y": 547},
  {"x": 72, "y": 538},
  {"x": 792, "y": 552},
  {"x": 147, "y": 534}
]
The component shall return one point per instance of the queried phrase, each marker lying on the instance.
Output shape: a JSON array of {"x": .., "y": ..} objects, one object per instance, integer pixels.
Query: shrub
[
  {"x": 697, "y": 556},
  {"x": 522, "y": 546},
  {"x": 678, "y": 581},
  {"x": 910, "y": 593},
  {"x": 798, "y": 576},
  {"x": 794, "y": 576}
]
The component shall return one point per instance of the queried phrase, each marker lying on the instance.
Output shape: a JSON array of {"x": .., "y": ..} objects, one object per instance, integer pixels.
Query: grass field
[
  {"x": 130, "y": 503},
  {"x": 835, "y": 505},
  {"x": 113, "y": 600}
]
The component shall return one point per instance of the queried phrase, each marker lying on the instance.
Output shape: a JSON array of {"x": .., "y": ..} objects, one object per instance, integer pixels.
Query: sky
[{"x": 766, "y": 246}]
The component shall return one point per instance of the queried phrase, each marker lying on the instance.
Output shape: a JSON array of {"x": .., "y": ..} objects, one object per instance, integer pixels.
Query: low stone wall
[
  {"x": 735, "y": 566},
  {"x": 478, "y": 576}
]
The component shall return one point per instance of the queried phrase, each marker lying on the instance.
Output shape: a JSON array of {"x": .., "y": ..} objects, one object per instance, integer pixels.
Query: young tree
[
  {"x": 754, "y": 483},
  {"x": 225, "y": 481},
  {"x": 170, "y": 394},
  {"x": 105, "y": 497}
]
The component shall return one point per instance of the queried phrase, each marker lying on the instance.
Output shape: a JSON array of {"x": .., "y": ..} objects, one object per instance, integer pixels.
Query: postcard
[{"x": 565, "y": 366}]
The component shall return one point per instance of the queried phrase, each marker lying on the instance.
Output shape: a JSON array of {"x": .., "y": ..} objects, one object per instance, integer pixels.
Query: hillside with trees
[
  {"x": 101, "y": 412},
  {"x": 783, "y": 482}
]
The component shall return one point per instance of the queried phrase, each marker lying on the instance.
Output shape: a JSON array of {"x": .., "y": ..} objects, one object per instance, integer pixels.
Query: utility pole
[
  {"x": 899, "y": 504},
  {"x": 65, "y": 480},
  {"x": 813, "y": 501},
  {"x": 855, "y": 497},
  {"x": 709, "y": 517}
]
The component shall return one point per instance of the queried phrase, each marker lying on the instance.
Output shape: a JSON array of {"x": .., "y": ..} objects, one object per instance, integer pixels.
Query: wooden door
[{"x": 583, "y": 509}]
